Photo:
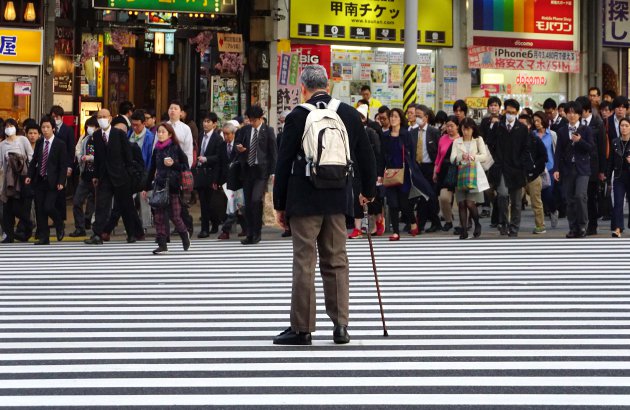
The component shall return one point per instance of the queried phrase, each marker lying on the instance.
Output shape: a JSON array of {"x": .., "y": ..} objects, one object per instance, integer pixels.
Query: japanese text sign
[
  {"x": 18, "y": 46},
  {"x": 231, "y": 43},
  {"x": 534, "y": 24},
  {"x": 184, "y": 6},
  {"x": 617, "y": 23},
  {"x": 370, "y": 21},
  {"x": 520, "y": 59}
]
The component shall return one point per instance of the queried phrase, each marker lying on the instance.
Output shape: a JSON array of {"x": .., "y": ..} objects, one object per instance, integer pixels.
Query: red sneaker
[
  {"x": 223, "y": 236},
  {"x": 356, "y": 234}
]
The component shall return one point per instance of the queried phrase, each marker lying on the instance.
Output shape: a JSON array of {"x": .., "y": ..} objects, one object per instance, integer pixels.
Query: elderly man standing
[{"x": 318, "y": 216}]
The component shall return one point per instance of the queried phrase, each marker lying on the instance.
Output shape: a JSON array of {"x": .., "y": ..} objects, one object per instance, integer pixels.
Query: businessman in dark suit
[
  {"x": 212, "y": 159},
  {"x": 555, "y": 120},
  {"x": 598, "y": 161},
  {"x": 257, "y": 153},
  {"x": 47, "y": 172},
  {"x": 112, "y": 158},
  {"x": 424, "y": 144},
  {"x": 620, "y": 107},
  {"x": 573, "y": 156},
  {"x": 65, "y": 134}
]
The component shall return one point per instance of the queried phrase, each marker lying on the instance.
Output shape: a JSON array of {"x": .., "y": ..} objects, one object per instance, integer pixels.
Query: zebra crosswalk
[{"x": 472, "y": 324}]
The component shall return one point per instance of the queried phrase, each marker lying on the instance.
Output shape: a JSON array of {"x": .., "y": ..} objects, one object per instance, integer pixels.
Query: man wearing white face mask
[
  {"x": 112, "y": 159},
  {"x": 508, "y": 173},
  {"x": 85, "y": 188}
]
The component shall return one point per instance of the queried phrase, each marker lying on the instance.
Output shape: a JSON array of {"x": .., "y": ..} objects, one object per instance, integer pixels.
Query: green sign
[
  {"x": 293, "y": 70},
  {"x": 170, "y": 6}
]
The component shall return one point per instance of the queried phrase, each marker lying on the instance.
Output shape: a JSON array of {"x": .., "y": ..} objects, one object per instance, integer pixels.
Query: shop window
[{"x": 16, "y": 105}]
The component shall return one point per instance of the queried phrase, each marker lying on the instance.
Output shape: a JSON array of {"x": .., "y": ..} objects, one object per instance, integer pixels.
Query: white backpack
[{"x": 326, "y": 146}]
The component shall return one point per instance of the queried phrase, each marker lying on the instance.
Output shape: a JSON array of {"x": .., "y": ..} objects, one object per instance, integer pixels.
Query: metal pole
[{"x": 410, "y": 77}]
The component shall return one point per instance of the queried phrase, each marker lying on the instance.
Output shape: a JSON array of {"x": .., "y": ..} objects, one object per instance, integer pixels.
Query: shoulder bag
[{"x": 395, "y": 176}]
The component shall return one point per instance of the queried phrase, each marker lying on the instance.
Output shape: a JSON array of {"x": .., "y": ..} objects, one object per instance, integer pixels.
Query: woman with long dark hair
[
  {"x": 468, "y": 149},
  {"x": 393, "y": 149},
  {"x": 168, "y": 163}
]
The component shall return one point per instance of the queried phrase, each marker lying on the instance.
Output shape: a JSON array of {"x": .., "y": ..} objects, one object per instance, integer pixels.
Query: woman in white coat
[{"x": 470, "y": 149}]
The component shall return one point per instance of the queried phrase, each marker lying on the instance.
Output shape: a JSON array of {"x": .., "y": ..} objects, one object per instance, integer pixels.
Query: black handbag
[
  {"x": 234, "y": 182},
  {"x": 450, "y": 180},
  {"x": 160, "y": 198},
  {"x": 202, "y": 177}
]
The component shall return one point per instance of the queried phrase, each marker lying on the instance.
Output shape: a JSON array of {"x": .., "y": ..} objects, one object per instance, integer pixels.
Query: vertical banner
[{"x": 288, "y": 96}]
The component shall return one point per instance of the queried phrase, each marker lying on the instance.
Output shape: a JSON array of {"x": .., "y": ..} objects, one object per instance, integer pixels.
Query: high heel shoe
[
  {"x": 380, "y": 228},
  {"x": 415, "y": 231},
  {"x": 477, "y": 231},
  {"x": 394, "y": 237}
]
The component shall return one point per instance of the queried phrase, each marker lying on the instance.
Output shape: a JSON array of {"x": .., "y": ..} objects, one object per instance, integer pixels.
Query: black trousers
[
  {"x": 115, "y": 215},
  {"x": 105, "y": 192},
  {"x": 61, "y": 204},
  {"x": 210, "y": 200},
  {"x": 46, "y": 206},
  {"x": 16, "y": 208},
  {"x": 254, "y": 191},
  {"x": 592, "y": 193},
  {"x": 427, "y": 209}
]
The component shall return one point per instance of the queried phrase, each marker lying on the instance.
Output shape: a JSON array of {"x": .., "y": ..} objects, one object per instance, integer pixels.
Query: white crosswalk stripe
[{"x": 472, "y": 324}]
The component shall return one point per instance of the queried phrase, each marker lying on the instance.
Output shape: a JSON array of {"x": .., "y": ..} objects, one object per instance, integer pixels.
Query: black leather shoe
[
  {"x": 203, "y": 234},
  {"x": 591, "y": 231},
  {"x": 433, "y": 228},
  {"x": 94, "y": 240},
  {"x": 503, "y": 230},
  {"x": 43, "y": 242},
  {"x": 251, "y": 240},
  {"x": 447, "y": 227},
  {"x": 289, "y": 337},
  {"x": 286, "y": 234},
  {"x": 61, "y": 233},
  {"x": 581, "y": 234},
  {"x": 77, "y": 233},
  {"x": 131, "y": 239},
  {"x": 214, "y": 229},
  {"x": 513, "y": 234},
  {"x": 340, "y": 335},
  {"x": 7, "y": 240}
]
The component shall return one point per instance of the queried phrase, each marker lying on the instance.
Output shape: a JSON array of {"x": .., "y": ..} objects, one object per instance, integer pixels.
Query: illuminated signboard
[{"x": 175, "y": 6}]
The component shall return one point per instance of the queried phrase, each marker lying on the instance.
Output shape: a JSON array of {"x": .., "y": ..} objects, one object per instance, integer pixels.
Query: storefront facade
[
  {"x": 525, "y": 50},
  {"x": 361, "y": 44},
  {"x": 21, "y": 59}
]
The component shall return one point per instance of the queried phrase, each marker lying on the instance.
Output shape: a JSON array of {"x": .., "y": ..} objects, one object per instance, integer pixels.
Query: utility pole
[{"x": 410, "y": 77}]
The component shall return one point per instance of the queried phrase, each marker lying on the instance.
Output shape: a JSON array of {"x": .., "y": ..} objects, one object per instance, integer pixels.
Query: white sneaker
[{"x": 554, "y": 219}]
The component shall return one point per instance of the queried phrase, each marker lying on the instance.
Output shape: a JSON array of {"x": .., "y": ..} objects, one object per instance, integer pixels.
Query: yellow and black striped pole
[
  {"x": 410, "y": 85},
  {"x": 410, "y": 58}
]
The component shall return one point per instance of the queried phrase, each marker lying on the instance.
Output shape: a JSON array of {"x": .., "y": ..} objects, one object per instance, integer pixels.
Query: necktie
[
  {"x": 572, "y": 129},
  {"x": 204, "y": 144},
  {"x": 42, "y": 170},
  {"x": 229, "y": 149},
  {"x": 509, "y": 127},
  {"x": 105, "y": 138},
  {"x": 253, "y": 147},
  {"x": 419, "y": 147}
]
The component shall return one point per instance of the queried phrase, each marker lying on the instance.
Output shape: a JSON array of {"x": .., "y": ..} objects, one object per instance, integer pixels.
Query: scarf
[{"x": 163, "y": 144}]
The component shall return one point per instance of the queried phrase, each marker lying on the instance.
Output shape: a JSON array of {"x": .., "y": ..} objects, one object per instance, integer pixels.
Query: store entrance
[{"x": 15, "y": 97}]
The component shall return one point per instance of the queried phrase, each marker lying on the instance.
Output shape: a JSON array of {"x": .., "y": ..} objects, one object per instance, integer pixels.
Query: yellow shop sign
[
  {"x": 20, "y": 46},
  {"x": 370, "y": 21}
]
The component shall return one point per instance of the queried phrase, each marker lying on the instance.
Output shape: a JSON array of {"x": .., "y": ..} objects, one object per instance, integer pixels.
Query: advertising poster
[{"x": 224, "y": 97}]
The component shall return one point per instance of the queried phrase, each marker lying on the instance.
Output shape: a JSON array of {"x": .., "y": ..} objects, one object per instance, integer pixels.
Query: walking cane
[{"x": 378, "y": 289}]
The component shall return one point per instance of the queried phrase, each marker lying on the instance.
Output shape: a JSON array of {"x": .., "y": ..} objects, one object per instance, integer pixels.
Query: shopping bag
[{"x": 467, "y": 176}]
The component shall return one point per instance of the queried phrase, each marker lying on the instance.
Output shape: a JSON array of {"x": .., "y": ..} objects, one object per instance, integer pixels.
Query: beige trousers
[
  {"x": 326, "y": 235},
  {"x": 446, "y": 204},
  {"x": 534, "y": 190}
]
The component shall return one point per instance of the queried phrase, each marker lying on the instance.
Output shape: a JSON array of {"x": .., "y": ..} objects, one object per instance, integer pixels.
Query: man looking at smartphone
[{"x": 573, "y": 156}]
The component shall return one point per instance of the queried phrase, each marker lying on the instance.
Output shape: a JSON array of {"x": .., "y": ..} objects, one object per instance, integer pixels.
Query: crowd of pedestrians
[{"x": 569, "y": 160}]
